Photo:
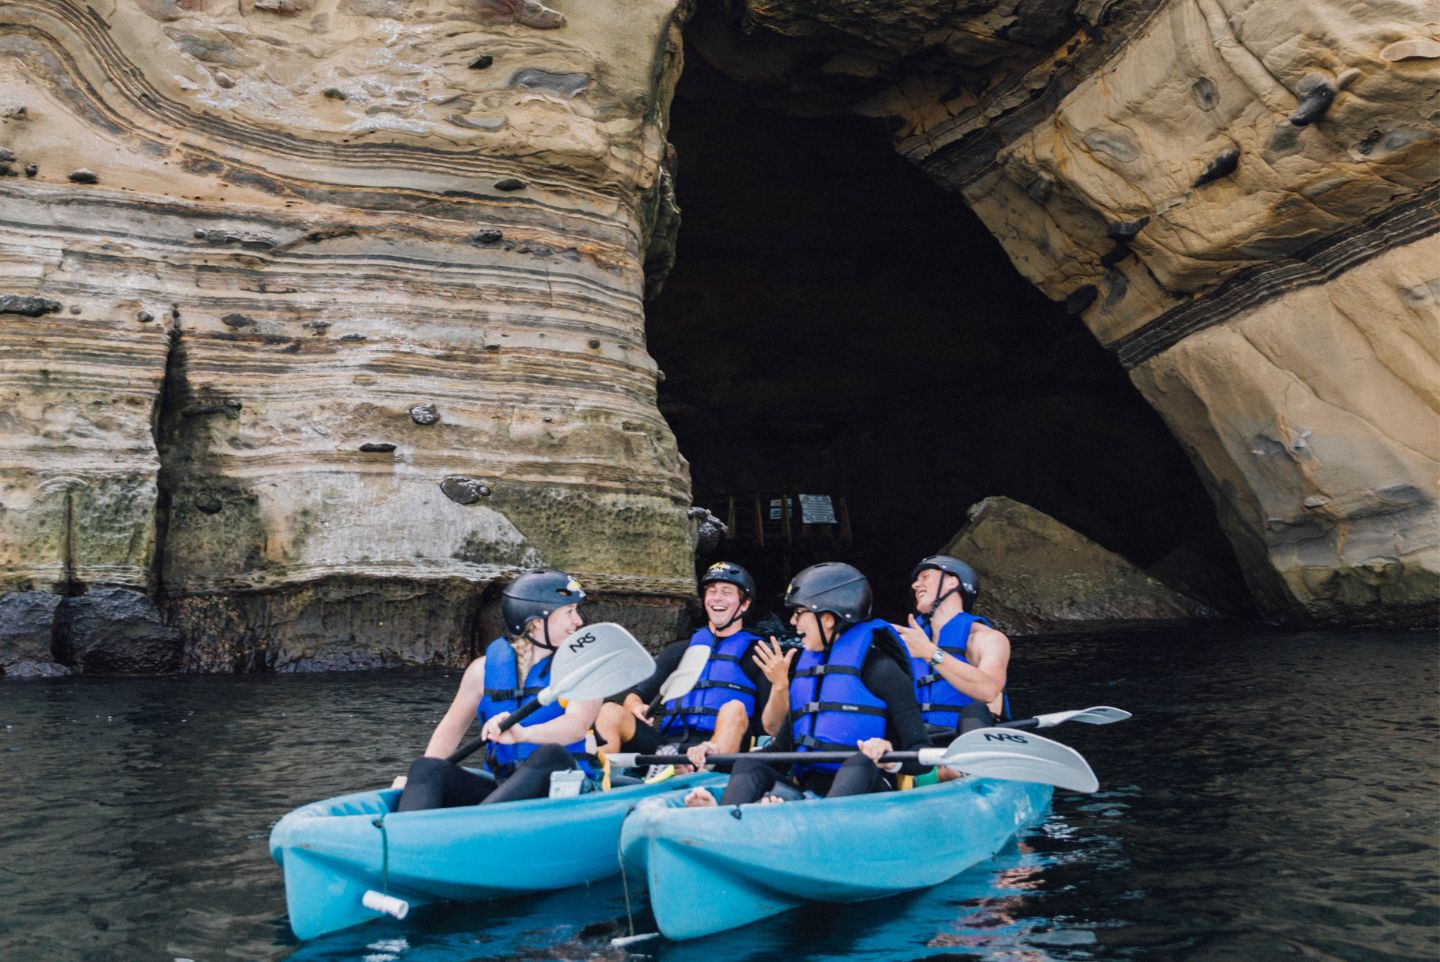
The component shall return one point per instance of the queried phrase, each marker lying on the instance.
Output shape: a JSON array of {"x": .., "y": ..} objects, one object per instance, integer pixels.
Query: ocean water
[{"x": 1276, "y": 796}]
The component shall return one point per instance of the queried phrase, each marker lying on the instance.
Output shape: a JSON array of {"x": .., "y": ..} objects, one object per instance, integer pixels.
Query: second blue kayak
[{"x": 713, "y": 869}]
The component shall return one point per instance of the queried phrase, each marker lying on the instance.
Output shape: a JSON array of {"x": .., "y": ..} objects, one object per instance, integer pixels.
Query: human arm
[
  {"x": 774, "y": 663},
  {"x": 570, "y": 727},
  {"x": 886, "y": 673},
  {"x": 981, "y": 674},
  {"x": 763, "y": 688},
  {"x": 452, "y": 728}
]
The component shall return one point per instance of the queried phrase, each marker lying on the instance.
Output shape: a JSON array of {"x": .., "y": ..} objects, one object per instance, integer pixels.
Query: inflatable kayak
[
  {"x": 343, "y": 852},
  {"x": 712, "y": 869}
]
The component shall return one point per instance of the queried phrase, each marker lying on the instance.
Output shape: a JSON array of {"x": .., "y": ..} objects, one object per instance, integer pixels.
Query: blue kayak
[
  {"x": 713, "y": 869},
  {"x": 334, "y": 852}
]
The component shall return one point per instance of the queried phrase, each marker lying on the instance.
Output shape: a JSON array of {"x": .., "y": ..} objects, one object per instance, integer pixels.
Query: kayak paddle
[
  {"x": 595, "y": 662},
  {"x": 684, "y": 677},
  {"x": 1098, "y": 715},
  {"x": 987, "y": 752}
]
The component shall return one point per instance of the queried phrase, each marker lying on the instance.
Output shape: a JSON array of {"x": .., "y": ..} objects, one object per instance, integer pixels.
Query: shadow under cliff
[{"x": 836, "y": 323}]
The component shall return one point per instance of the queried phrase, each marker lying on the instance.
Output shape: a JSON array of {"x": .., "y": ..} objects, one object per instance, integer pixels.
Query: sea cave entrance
[{"x": 838, "y": 325}]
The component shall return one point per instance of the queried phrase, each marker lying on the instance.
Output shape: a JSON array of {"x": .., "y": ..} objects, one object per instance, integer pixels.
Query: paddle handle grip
[
  {"x": 514, "y": 718},
  {"x": 385, "y": 904},
  {"x": 635, "y": 760},
  {"x": 1022, "y": 724}
]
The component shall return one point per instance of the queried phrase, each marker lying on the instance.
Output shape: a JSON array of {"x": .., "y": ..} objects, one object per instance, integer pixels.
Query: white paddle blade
[
  {"x": 1098, "y": 715},
  {"x": 687, "y": 673},
  {"x": 598, "y": 661},
  {"x": 1020, "y": 757}
]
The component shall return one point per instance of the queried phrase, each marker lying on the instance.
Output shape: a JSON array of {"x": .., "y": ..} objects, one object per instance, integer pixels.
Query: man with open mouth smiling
[{"x": 719, "y": 710}]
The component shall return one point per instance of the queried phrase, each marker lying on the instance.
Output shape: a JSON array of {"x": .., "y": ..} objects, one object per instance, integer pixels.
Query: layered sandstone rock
[
  {"x": 321, "y": 317},
  {"x": 1037, "y": 576},
  {"x": 1256, "y": 170}
]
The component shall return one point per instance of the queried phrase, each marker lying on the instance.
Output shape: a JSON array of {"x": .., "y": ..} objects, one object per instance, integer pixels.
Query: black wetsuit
[
  {"x": 648, "y": 738},
  {"x": 436, "y": 783},
  {"x": 886, "y": 673}
]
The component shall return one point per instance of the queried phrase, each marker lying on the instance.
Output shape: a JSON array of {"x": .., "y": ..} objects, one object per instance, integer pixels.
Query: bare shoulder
[
  {"x": 987, "y": 640},
  {"x": 474, "y": 677}
]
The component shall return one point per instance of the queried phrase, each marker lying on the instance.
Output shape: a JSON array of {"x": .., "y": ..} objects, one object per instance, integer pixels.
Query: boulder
[
  {"x": 27, "y": 633},
  {"x": 1038, "y": 576},
  {"x": 117, "y": 630}
]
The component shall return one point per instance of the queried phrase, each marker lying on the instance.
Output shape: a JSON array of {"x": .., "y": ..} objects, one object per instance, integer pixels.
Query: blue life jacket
[
  {"x": 502, "y": 694},
  {"x": 722, "y": 680},
  {"x": 830, "y": 707},
  {"x": 940, "y": 701}
]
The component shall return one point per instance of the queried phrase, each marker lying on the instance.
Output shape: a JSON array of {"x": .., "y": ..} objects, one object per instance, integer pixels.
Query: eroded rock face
[
  {"x": 27, "y": 635},
  {"x": 112, "y": 630},
  {"x": 1167, "y": 169},
  {"x": 304, "y": 222},
  {"x": 1037, "y": 576}
]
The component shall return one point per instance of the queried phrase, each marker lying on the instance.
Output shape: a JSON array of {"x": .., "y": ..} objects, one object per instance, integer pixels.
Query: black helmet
[
  {"x": 831, "y": 586},
  {"x": 969, "y": 580},
  {"x": 535, "y": 594},
  {"x": 730, "y": 573}
]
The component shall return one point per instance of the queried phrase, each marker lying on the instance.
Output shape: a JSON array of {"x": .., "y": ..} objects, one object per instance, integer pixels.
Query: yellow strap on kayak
[
  {"x": 904, "y": 782},
  {"x": 604, "y": 771}
]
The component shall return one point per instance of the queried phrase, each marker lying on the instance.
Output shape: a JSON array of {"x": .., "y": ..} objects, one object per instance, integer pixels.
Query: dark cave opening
[{"x": 838, "y": 324}]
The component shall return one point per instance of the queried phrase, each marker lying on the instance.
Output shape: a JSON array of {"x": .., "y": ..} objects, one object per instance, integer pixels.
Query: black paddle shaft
[
  {"x": 781, "y": 758},
  {"x": 515, "y": 717}
]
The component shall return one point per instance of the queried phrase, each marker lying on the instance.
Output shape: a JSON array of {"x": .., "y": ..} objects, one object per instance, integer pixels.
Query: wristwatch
[{"x": 938, "y": 657}]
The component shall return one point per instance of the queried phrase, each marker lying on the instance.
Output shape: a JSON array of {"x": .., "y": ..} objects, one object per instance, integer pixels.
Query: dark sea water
[{"x": 1277, "y": 796}]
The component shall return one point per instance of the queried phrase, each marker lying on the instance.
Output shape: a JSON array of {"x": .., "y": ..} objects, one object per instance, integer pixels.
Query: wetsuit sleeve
[
  {"x": 892, "y": 683},
  {"x": 665, "y": 663}
]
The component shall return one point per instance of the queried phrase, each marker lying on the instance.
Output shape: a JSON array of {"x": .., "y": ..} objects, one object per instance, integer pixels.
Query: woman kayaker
[
  {"x": 540, "y": 609},
  {"x": 718, "y": 711},
  {"x": 851, "y": 690}
]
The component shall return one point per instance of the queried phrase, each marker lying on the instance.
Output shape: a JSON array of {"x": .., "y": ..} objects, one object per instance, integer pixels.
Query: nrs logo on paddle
[
  {"x": 997, "y": 737},
  {"x": 586, "y": 639}
]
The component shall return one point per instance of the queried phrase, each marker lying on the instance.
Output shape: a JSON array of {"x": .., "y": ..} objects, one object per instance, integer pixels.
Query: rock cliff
[{"x": 320, "y": 317}]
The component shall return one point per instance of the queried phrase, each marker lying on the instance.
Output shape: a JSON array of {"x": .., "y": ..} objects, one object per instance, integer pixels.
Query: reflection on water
[{"x": 1276, "y": 796}]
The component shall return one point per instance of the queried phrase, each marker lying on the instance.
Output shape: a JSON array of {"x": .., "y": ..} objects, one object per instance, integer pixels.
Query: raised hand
[
  {"x": 915, "y": 639},
  {"x": 774, "y": 662}
]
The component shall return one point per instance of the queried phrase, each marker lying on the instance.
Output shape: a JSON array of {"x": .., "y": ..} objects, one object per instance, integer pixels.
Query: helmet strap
[
  {"x": 825, "y": 638},
  {"x": 545, "y": 627},
  {"x": 739, "y": 613},
  {"x": 940, "y": 598}
]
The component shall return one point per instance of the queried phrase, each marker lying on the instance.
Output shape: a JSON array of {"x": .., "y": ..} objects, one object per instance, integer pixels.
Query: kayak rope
[
  {"x": 384, "y": 854},
  {"x": 625, "y": 885}
]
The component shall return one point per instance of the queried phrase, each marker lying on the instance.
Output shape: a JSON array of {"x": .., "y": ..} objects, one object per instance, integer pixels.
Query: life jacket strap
[
  {"x": 511, "y": 694},
  {"x": 817, "y": 706},
  {"x": 728, "y": 685},
  {"x": 810, "y": 743},
  {"x": 951, "y": 709},
  {"x": 818, "y": 670}
]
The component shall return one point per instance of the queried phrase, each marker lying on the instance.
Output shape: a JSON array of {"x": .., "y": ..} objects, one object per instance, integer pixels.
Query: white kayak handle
[{"x": 385, "y": 904}]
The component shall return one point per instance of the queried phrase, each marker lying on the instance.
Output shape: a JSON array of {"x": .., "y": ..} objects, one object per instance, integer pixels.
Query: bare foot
[{"x": 699, "y": 798}]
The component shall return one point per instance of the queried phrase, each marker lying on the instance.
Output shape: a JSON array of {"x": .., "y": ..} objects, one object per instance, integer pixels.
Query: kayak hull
[
  {"x": 333, "y": 851},
  {"x": 708, "y": 870}
]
